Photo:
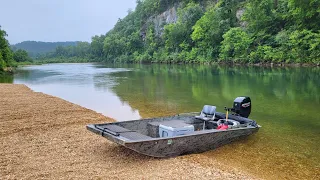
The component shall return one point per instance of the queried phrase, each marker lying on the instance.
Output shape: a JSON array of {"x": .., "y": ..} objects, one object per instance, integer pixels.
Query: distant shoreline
[
  {"x": 260, "y": 64},
  {"x": 11, "y": 70}
]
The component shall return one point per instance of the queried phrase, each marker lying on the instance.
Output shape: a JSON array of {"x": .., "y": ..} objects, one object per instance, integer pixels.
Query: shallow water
[{"x": 285, "y": 103}]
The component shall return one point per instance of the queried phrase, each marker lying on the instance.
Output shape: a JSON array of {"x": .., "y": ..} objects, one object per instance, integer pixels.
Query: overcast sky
[{"x": 60, "y": 20}]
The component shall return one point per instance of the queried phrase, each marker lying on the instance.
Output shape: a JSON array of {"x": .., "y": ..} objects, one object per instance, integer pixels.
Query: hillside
[
  {"x": 35, "y": 48},
  {"x": 204, "y": 31}
]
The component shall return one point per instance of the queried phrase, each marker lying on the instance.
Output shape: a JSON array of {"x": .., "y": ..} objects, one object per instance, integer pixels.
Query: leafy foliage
[
  {"x": 177, "y": 35},
  {"x": 6, "y": 56},
  {"x": 235, "y": 45},
  {"x": 201, "y": 31},
  {"x": 209, "y": 29},
  {"x": 21, "y": 56}
]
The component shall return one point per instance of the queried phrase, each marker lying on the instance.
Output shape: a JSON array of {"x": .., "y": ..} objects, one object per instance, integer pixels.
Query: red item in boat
[{"x": 222, "y": 126}]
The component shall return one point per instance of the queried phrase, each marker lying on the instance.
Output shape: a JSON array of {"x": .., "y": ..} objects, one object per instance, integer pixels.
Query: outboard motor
[{"x": 242, "y": 106}]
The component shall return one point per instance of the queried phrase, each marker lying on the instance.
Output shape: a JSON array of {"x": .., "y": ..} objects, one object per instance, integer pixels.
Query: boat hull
[{"x": 197, "y": 142}]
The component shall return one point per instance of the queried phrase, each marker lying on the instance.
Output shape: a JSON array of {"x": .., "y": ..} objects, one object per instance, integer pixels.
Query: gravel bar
[{"x": 44, "y": 137}]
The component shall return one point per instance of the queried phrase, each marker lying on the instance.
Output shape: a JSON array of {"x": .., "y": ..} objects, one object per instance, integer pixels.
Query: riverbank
[
  {"x": 223, "y": 63},
  {"x": 7, "y": 70},
  {"x": 45, "y": 137}
]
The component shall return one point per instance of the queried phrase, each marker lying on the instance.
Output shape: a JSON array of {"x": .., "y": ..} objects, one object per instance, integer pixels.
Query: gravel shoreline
[{"x": 44, "y": 137}]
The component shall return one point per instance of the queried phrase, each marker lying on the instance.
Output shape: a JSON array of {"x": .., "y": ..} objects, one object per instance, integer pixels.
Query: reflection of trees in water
[
  {"x": 75, "y": 74},
  {"x": 206, "y": 84},
  {"x": 6, "y": 78},
  {"x": 33, "y": 75},
  {"x": 104, "y": 82}
]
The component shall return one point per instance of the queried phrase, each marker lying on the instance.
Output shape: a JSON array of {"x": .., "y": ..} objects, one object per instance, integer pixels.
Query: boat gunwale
[{"x": 208, "y": 131}]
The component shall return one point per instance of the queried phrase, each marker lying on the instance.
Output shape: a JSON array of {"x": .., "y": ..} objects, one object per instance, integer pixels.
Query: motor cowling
[{"x": 242, "y": 106}]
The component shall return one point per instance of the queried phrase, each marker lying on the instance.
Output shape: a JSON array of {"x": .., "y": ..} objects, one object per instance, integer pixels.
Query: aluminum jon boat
[{"x": 183, "y": 133}]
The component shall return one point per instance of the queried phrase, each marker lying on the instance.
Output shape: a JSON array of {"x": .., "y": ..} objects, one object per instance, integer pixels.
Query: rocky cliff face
[
  {"x": 239, "y": 15},
  {"x": 171, "y": 16},
  {"x": 167, "y": 17}
]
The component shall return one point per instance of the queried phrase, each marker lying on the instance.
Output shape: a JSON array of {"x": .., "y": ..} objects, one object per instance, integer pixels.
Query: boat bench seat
[
  {"x": 115, "y": 128},
  {"x": 134, "y": 136},
  {"x": 126, "y": 133}
]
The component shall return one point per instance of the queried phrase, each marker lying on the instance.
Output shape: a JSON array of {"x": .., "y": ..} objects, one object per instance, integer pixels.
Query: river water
[{"x": 285, "y": 103}]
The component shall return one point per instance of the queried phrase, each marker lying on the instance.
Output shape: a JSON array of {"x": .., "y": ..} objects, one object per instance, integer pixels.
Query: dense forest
[
  {"x": 8, "y": 58},
  {"x": 37, "y": 48},
  {"x": 202, "y": 31},
  {"x": 6, "y": 55}
]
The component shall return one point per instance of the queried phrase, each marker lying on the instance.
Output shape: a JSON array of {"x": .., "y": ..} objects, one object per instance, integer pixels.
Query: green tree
[
  {"x": 97, "y": 46},
  {"x": 259, "y": 15},
  {"x": 208, "y": 31},
  {"x": 114, "y": 46},
  {"x": 2, "y": 63},
  {"x": 179, "y": 33},
  {"x": 21, "y": 56},
  {"x": 305, "y": 13},
  {"x": 6, "y": 56},
  {"x": 304, "y": 46},
  {"x": 235, "y": 45}
]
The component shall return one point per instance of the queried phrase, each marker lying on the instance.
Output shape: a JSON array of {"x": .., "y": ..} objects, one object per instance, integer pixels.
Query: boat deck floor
[{"x": 133, "y": 134}]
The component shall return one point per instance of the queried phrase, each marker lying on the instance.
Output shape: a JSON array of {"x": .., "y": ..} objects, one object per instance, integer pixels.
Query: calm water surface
[{"x": 286, "y": 104}]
